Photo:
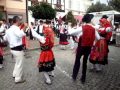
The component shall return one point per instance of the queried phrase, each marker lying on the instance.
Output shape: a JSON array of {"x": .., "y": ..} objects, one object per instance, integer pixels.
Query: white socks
[
  {"x": 1, "y": 66},
  {"x": 51, "y": 73},
  {"x": 98, "y": 67},
  {"x": 48, "y": 80}
]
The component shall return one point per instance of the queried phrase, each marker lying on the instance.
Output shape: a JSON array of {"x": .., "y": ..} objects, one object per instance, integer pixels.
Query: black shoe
[
  {"x": 82, "y": 80},
  {"x": 74, "y": 78}
]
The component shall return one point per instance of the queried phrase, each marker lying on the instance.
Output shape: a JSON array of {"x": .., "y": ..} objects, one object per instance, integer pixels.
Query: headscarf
[
  {"x": 105, "y": 23},
  {"x": 48, "y": 32}
]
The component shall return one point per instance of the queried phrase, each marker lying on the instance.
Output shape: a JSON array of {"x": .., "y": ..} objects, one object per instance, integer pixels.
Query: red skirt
[
  {"x": 25, "y": 42},
  {"x": 99, "y": 52},
  {"x": 46, "y": 61}
]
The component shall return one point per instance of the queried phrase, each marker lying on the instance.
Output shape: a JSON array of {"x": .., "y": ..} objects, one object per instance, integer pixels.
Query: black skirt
[
  {"x": 46, "y": 66},
  {"x": 63, "y": 39}
]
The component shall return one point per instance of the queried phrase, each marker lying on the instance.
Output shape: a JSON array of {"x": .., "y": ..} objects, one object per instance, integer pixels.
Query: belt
[{"x": 18, "y": 48}]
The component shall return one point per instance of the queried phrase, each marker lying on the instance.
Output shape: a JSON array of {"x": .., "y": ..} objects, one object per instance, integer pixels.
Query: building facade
[
  {"x": 10, "y": 8},
  {"x": 78, "y": 7}
]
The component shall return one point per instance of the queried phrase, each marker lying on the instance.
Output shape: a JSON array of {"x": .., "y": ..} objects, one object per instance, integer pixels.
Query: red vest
[{"x": 88, "y": 36}]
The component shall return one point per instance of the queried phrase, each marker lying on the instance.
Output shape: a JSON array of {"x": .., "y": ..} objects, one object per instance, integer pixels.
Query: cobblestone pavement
[{"x": 109, "y": 79}]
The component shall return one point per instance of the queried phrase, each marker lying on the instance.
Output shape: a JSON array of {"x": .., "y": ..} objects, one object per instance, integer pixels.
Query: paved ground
[{"x": 109, "y": 79}]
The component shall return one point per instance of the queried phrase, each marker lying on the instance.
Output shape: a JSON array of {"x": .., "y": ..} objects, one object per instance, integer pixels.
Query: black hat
[
  {"x": 105, "y": 16},
  {"x": 48, "y": 22},
  {"x": 87, "y": 18},
  {"x": 41, "y": 21}
]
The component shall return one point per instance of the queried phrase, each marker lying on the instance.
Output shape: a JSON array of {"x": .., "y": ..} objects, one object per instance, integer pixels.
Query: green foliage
[
  {"x": 98, "y": 7},
  {"x": 1, "y": 16},
  {"x": 70, "y": 18},
  {"x": 115, "y": 4},
  {"x": 43, "y": 11}
]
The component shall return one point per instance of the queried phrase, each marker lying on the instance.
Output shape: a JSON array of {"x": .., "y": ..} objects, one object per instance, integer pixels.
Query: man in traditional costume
[
  {"x": 99, "y": 53},
  {"x": 14, "y": 37},
  {"x": 87, "y": 35}
]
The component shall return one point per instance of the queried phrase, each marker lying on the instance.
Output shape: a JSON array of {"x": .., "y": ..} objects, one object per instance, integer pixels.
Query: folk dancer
[
  {"x": 71, "y": 41},
  {"x": 24, "y": 39},
  {"x": 87, "y": 35},
  {"x": 63, "y": 36},
  {"x": 14, "y": 37},
  {"x": 1, "y": 46},
  {"x": 46, "y": 62},
  {"x": 99, "y": 54}
]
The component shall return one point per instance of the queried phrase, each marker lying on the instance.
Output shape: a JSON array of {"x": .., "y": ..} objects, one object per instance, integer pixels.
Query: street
[{"x": 108, "y": 79}]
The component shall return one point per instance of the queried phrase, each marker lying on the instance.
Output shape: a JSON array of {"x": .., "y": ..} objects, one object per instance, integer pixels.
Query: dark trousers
[
  {"x": 85, "y": 51},
  {"x": 1, "y": 59}
]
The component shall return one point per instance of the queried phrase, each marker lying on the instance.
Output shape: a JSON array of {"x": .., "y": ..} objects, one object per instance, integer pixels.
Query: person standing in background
[
  {"x": 39, "y": 28},
  {"x": 118, "y": 36}
]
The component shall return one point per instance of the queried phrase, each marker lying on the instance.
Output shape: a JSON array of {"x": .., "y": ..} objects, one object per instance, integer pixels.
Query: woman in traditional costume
[
  {"x": 46, "y": 62},
  {"x": 1, "y": 46},
  {"x": 63, "y": 36},
  {"x": 99, "y": 53},
  {"x": 24, "y": 39}
]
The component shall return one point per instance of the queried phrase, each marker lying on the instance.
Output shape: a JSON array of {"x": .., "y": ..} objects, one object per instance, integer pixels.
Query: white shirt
[
  {"x": 14, "y": 36},
  {"x": 1, "y": 29},
  {"x": 40, "y": 27},
  {"x": 78, "y": 32},
  {"x": 36, "y": 35},
  {"x": 118, "y": 31}
]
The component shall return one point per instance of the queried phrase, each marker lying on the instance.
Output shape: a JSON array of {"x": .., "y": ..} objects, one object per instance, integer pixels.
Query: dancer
[
  {"x": 46, "y": 62},
  {"x": 1, "y": 46},
  {"x": 99, "y": 54},
  {"x": 14, "y": 37},
  {"x": 87, "y": 36},
  {"x": 63, "y": 36}
]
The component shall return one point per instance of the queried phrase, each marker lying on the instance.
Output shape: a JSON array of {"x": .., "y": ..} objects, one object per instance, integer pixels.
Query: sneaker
[
  {"x": 21, "y": 81},
  {"x": 48, "y": 82},
  {"x": 1, "y": 66}
]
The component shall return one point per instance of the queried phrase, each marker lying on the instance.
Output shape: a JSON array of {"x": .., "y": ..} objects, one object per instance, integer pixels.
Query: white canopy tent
[{"x": 110, "y": 14}]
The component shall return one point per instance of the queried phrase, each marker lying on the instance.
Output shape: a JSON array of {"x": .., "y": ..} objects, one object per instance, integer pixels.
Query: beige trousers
[{"x": 18, "y": 68}]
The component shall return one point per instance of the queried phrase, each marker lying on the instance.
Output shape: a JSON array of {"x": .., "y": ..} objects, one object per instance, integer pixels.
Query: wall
[{"x": 16, "y": 7}]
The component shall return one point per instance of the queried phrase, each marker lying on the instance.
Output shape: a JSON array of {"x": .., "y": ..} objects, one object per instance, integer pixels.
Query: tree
[
  {"x": 115, "y": 4},
  {"x": 1, "y": 16},
  {"x": 70, "y": 18},
  {"x": 98, "y": 7},
  {"x": 42, "y": 11}
]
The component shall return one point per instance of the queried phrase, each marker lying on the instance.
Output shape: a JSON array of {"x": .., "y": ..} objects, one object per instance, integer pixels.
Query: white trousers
[
  {"x": 18, "y": 68},
  {"x": 72, "y": 44}
]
